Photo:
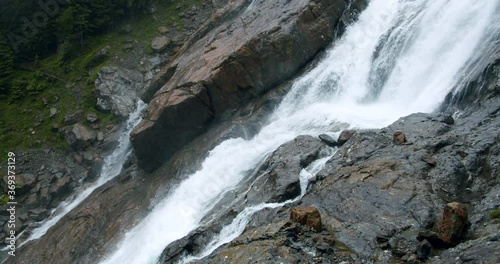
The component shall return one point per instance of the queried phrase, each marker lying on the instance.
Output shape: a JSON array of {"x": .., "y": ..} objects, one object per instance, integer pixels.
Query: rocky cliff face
[
  {"x": 185, "y": 107},
  {"x": 422, "y": 190},
  {"x": 254, "y": 50}
]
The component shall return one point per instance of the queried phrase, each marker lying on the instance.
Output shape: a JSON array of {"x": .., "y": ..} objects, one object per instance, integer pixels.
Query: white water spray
[
  {"x": 401, "y": 57},
  {"x": 111, "y": 168},
  {"x": 237, "y": 226}
]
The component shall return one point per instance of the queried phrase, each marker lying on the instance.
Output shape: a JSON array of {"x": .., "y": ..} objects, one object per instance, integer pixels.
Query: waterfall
[
  {"x": 237, "y": 226},
  {"x": 400, "y": 57},
  {"x": 112, "y": 167}
]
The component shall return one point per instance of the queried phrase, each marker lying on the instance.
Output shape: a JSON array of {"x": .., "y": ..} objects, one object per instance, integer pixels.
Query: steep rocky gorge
[
  {"x": 234, "y": 62},
  {"x": 191, "y": 100},
  {"x": 386, "y": 196},
  {"x": 380, "y": 199}
]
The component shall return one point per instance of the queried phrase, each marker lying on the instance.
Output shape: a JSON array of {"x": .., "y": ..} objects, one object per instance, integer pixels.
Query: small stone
[
  {"x": 160, "y": 43},
  {"x": 78, "y": 159},
  {"x": 308, "y": 216},
  {"x": 79, "y": 136},
  {"x": 100, "y": 136},
  {"x": 59, "y": 175},
  {"x": 92, "y": 117},
  {"x": 398, "y": 137},
  {"x": 163, "y": 30},
  {"x": 55, "y": 127},
  {"x": 429, "y": 160},
  {"x": 323, "y": 247},
  {"x": 73, "y": 118},
  {"x": 128, "y": 46},
  {"x": 53, "y": 111}
]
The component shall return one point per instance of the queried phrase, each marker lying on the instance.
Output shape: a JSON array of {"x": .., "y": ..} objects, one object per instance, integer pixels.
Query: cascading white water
[
  {"x": 401, "y": 57},
  {"x": 237, "y": 226},
  {"x": 112, "y": 167}
]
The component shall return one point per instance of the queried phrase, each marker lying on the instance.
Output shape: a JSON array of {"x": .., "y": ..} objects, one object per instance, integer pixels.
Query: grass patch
[
  {"x": 66, "y": 82},
  {"x": 495, "y": 214}
]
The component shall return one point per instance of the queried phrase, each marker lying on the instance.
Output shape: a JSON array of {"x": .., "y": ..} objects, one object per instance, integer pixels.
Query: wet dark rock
[
  {"x": 280, "y": 181},
  {"x": 157, "y": 82},
  {"x": 345, "y": 136},
  {"x": 481, "y": 250},
  {"x": 61, "y": 187},
  {"x": 424, "y": 250},
  {"x": 39, "y": 214},
  {"x": 163, "y": 30},
  {"x": 328, "y": 140}
]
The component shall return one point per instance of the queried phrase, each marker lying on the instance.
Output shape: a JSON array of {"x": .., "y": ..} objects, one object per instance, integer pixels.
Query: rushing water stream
[
  {"x": 400, "y": 57},
  {"x": 112, "y": 167}
]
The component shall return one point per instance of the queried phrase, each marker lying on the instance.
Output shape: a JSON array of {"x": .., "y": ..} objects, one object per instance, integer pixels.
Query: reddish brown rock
[
  {"x": 452, "y": 223},
  {"x": 399, "y": 138},
  {"x": 233, "y": 61},
  {"x": 175, "y": 118},
  {"x": 308, "y": 216}
]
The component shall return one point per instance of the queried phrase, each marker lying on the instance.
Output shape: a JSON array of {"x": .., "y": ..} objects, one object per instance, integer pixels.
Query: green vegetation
[
  {"x": 495, "y": 214},
  {"x": 4, "y": 199},
  {"x": 57, "y": 66}
]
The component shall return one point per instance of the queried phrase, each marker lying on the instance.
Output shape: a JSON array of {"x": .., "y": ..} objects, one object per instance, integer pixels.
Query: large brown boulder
[
  {"x": 452, "y": 223},
  {"x": 159, "y": 133},
  {"x": 237, "y": 60}
]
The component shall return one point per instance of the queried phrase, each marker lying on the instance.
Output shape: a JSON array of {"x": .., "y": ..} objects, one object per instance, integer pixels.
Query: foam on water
[
  {"x": 400, "y": 57},
  {"x": 112, "y": 167}
]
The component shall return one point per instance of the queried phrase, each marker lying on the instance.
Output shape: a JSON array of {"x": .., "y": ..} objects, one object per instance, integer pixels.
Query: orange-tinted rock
[
  {"x": 234, "y": 61},
  {"x": 308, "y": 216},
  {"x": 176, "y": 118},
  {"x": 452, "y": 224},
  {"x": 399, "y": 138}
]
